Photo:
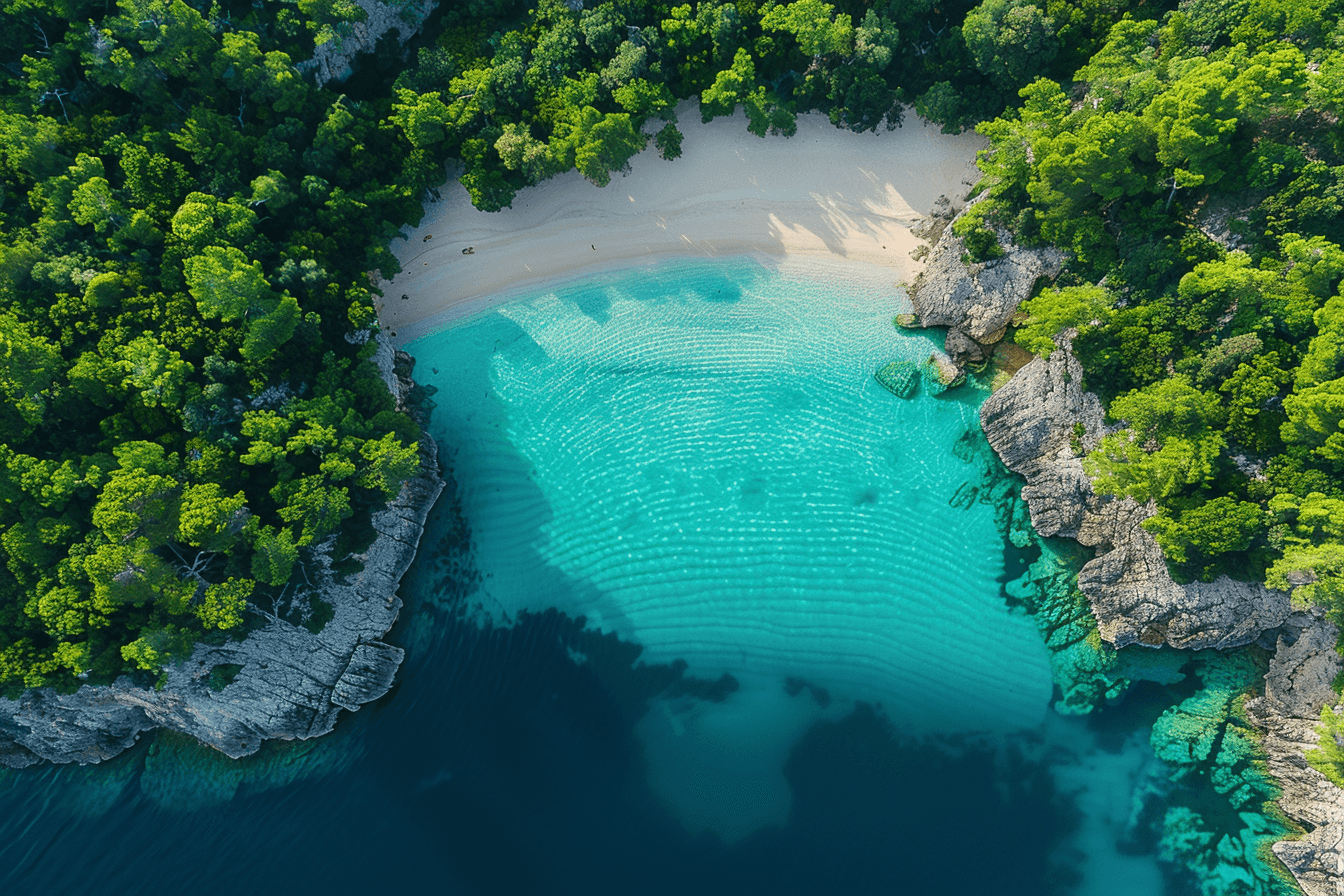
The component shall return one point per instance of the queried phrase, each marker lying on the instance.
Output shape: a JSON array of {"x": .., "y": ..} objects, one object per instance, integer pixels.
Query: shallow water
[{"x": 707, "y": 615}]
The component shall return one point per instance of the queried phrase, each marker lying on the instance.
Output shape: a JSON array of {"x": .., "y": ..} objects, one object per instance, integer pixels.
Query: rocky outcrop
[
  {"x": 1039, "y": 424},
  {"x": 1297, "y": 685},
  {"x": 286, "y": 682},
  {"x": 1135, "y": 600},
  {"x": 976, "y": 301},
  {"x": 331, "y": 61}
]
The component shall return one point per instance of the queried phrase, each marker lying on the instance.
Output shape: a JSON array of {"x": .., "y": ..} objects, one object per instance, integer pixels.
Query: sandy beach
[{"x": 823, "y": 192}]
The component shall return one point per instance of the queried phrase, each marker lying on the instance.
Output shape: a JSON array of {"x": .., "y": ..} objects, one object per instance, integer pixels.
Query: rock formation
[
  {"x": 1039, "y": 424},
  {"x": 288, "y": 682},
  {"x": 1298, "y": 684},
  {"x": 976, "y": 301},
  {"x": 332, "y": 60}
]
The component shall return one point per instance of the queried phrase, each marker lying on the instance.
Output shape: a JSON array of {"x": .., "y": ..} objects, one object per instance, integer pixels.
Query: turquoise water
[
  {"x": 705, "y": 610},
  {"x": 697, "y": 458}
]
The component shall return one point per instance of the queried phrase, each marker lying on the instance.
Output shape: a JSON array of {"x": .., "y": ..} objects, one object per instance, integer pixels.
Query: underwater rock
[
  {"x": 978, "y": 300},
  {"x": 1208, "y": 737},
  {"x": 291, "y": 683},
  {"x": 901, "y": 378}
]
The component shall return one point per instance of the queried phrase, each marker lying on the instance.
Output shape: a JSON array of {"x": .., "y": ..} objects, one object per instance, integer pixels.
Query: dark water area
[{"x": 467, "y": 781}]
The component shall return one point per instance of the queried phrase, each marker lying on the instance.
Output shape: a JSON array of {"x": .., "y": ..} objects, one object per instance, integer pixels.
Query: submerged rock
[
  {"x": 900, "y": 378},
  {"x": 287, "y": 682}
]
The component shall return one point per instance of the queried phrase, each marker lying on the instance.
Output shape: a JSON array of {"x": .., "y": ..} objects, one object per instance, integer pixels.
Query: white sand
[{"x": 823, "y": 192}]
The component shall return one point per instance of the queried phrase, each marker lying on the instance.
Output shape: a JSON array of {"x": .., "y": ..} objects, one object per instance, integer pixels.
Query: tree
[
  {"x": 730, "y": 87},
  {"x": 225, "y": 284},
  {"x": 28, "y": 366},
  {"x": 1197, "y": 539},
  {"x": 1010, "y": 40},
  {"x": 1195, "y": 119},
  {"x": 814, "y": 24},
  {"x": 154, "y": 372},
  {"x": 1055, "y": 310},
  {"x": 604, "y": 144},
  {"x": 274, "y": 553},
  {"x": 223, "y": 604},
  {"x": 1170, "y": 444}
]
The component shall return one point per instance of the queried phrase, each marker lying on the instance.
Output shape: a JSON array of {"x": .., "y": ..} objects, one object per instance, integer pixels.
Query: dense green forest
[
  {"x": 188, "y": 227},
  {"x": 1192, "y": 170}
]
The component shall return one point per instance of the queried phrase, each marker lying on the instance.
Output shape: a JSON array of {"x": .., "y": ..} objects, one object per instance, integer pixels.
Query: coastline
[{"x": 824, "y": 192}]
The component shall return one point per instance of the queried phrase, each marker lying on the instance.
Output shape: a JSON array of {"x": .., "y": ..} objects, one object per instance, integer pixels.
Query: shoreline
[{"x": 730, "y": 193}]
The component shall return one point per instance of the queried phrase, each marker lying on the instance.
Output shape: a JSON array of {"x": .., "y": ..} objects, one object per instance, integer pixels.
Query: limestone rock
[
  {"x": 961, "y": 348},
  {"x": 1038, "y": 424},
  {"x": 1135, "y": 600},
  {"x": 1296, "y": 687},
  {"x": 941, "y": 374},
  {"x": 291, "y": 684},
  {"x": 332, "y": 60},
  {"x": 978, "y": 299}
]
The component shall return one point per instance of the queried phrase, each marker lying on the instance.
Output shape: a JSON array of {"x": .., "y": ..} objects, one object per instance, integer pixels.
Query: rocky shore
[
  {"x": 286, "y": 682},
  {"x": 1040, "y": 424}
]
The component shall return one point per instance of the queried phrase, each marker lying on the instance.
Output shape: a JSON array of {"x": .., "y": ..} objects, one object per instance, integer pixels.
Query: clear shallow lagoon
[{"x": 707, "y": 616}]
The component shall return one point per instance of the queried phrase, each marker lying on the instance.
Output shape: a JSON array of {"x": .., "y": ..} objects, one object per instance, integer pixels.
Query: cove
[{"x": 705, "y": 609}]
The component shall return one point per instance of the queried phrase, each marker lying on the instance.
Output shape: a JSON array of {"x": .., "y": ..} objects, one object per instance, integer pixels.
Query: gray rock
[
  {"x": 1296, "y": 687},
  {"x": 292, "y": 683},
  {"x": 1033, "y": 424},
  {"x": 332, "y": 60},
  {"x": 961, "y": 348},
  {"x": 979, "y": 299},
  {"x": 1135, "y": 600}
]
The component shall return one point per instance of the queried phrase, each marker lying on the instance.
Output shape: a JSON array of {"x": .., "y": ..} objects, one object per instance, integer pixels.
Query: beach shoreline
[{"x": 825, "y": 192}]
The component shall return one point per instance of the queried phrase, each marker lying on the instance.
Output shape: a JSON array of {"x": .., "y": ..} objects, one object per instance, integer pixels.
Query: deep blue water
[{"x": 695, "y": 616}]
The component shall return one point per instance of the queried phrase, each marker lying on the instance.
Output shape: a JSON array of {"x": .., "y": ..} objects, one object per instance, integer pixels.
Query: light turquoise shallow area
[{"x": 697, "y": 457}]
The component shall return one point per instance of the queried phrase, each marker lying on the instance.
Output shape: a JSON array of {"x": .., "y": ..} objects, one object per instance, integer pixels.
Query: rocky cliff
[
  {"x": 287, "y": 682},
  {"x": 1032, "y": 423},
  {"x": 1040, "y": 424}
]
